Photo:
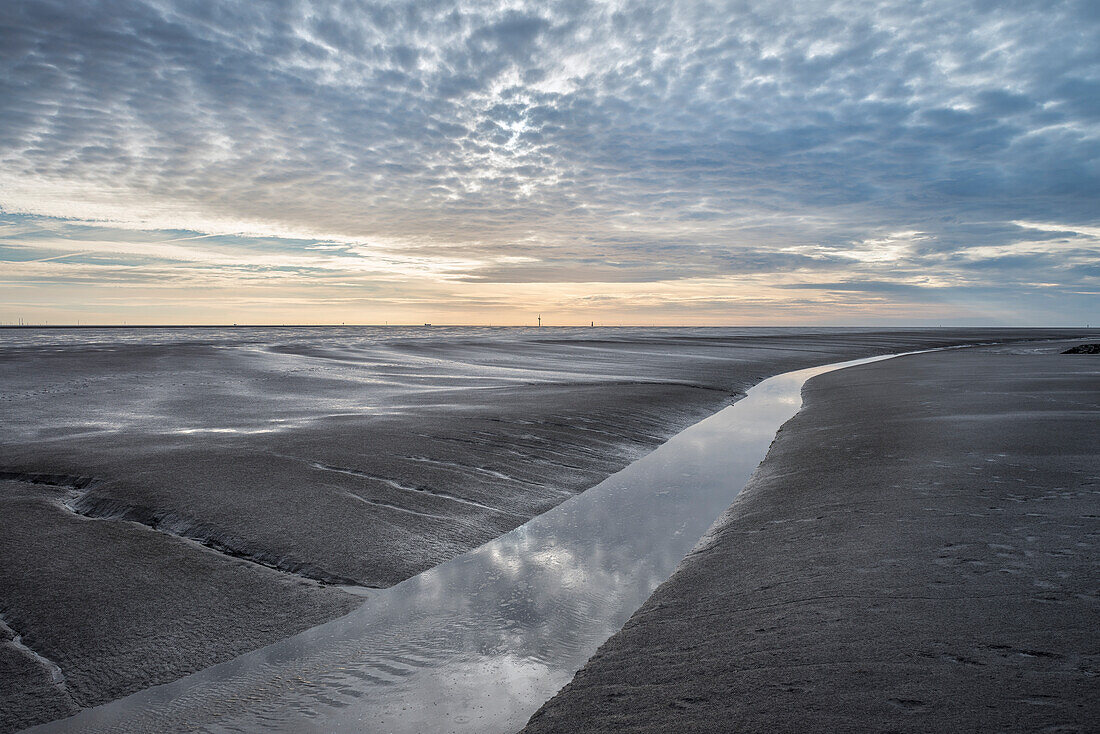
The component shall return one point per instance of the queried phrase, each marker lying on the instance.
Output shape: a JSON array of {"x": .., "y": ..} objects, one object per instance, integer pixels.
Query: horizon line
[{"x": 537, "y": 326}]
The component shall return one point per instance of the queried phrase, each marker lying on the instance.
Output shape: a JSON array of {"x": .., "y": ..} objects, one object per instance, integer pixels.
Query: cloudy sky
[{"x": 480, "y": 162}]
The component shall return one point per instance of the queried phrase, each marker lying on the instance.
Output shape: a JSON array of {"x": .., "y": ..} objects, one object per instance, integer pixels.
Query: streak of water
[{"x": 478, "y": 643}]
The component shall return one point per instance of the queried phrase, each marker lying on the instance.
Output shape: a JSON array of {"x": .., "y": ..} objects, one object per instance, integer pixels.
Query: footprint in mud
[{"x": 908, "y": 704}]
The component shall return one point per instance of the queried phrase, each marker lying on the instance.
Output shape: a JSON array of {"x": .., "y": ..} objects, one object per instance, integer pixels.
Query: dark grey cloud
[{"x": 575, "y": 141}]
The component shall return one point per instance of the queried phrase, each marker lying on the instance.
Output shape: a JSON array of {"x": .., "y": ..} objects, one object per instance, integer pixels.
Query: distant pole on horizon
[{"x": 540, "y": 319}]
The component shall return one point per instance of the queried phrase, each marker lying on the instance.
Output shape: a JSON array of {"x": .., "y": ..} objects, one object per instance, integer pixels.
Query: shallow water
[{"x": 477, "y": 644}]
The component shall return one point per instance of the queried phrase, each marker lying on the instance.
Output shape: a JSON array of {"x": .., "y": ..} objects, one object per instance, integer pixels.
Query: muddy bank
[
  {"x": 917, "y": 553},
  {"x": 96, "y": 609}
]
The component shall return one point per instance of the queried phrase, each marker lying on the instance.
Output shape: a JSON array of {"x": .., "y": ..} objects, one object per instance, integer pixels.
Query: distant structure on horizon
[{"x": 540, "y": 319}]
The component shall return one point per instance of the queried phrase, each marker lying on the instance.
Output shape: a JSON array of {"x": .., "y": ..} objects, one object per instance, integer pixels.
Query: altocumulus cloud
[{"x": 895, "y": 152}]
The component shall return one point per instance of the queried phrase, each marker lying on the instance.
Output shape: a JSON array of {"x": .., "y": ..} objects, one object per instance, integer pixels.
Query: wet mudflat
[{"x": 283, "y": 462}]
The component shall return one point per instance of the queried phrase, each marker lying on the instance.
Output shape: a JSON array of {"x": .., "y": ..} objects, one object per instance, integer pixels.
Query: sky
[{"x": 649, "y": 162}]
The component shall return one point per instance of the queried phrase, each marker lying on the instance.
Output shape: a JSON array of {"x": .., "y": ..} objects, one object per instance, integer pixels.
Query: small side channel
[{"x": 479, "y": 643}]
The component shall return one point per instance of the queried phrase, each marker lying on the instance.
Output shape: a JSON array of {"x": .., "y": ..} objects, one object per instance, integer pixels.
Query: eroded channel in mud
[{"x": 477, "y": 644}]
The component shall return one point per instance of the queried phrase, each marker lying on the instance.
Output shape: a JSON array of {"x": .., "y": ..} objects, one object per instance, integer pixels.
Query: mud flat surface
[
  {"x": 180, "y": 496},
  {"x": 132, "y": 606},
  {"x": 917, "y": 553}
]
